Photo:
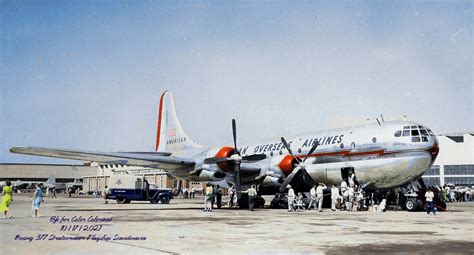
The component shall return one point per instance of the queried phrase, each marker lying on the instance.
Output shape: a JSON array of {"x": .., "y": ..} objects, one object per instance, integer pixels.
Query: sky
[{"x": 89, "y": 74}]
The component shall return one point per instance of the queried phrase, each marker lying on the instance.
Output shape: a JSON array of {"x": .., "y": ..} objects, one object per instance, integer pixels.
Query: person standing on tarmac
[
  {"x": 312, "y": 194},
  {"x": 208, "y": 198},
  {"x": 252, "y": 192},
  {"x": 218, "y": 197},
  {"x": 105, "y": 191},
  {"x": 334, "y": 196},
  {"x": 429, "y": 200},
  {"x": 350, "y": 201},
  {"x": 291, "y": 198},
  {"x": 320, "y": 195},
  {"x": 231, "y": 196}
]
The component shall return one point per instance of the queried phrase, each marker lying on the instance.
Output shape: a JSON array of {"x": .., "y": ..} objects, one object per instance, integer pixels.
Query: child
[
  {"x": 37, "y": 200},
  {"x": 299, "y": 201}
]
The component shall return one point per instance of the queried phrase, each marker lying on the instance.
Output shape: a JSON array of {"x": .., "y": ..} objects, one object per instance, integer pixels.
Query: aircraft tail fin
[
  {"x": 170, "y": 136},
  {"x": 50, "y": 181}
]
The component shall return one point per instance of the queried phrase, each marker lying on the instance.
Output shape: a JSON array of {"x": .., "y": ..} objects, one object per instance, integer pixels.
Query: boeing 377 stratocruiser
[{"x": 382, "y": 155}]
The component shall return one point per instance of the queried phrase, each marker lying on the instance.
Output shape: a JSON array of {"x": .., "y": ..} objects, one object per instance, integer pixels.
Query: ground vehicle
[{"x": 125, "y": 188}]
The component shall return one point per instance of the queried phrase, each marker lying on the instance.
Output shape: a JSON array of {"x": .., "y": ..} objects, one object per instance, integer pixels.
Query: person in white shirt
[
  {"x": 383, "y": 204},
  {"x": 343, "y": 186},
  {"x": 291, "y": 198},
  {"x": 350, "y": 192},
  {"x": 360, "y": 200},
  {"x": 334, "y": 196},
  {"x": 231, "y": 196},
  {"x": 312, "y": 195},
  {"x": 320, "y": 195},
  {"x": 429, "y": 195}
]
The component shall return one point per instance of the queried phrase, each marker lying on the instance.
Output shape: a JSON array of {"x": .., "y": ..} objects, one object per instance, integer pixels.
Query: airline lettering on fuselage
[
  {"x": 324, "y": 140},
  {"x": 176, "y": 140}
]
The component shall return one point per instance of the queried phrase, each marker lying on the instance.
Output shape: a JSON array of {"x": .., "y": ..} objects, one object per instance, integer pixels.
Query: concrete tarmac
[{"x": 181, "y": 227}]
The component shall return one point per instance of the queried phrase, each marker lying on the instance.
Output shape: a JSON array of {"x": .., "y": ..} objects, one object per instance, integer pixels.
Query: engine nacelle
[
  {"x": 283, "y": 164},
  {"x": 223, "y": 152},
  {"x": 206, "y": 175},
  {"x": 272, "y": 181}
]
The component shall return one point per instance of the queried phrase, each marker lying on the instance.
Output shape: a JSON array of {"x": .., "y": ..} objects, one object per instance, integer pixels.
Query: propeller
[
  {"x": 301, "y": 163},
  {"x": 236, "y": 159}
]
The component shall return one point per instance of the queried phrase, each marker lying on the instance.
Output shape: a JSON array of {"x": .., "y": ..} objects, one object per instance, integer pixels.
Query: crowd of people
[
  {"x": 347, "y": 197},
  {"x": 187, "y": 192}
]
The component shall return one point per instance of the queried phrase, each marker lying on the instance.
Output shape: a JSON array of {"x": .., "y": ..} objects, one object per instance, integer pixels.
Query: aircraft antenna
[
  {"x": 381, "y": 116},
  {"x": 378, "y": 121}
]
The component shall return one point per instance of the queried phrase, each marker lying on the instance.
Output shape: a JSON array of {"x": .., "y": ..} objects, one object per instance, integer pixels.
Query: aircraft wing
[{"x": 146, "y": 159}]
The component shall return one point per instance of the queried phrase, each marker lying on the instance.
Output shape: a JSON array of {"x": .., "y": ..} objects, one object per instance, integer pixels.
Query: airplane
[
  {"x": 16, "y": 185},
  {"x": 385, "y": 154}
]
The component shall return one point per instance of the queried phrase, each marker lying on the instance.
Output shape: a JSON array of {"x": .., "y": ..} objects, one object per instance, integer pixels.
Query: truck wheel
[
  {"x": 121, "y": 200},
  {"x": 411, "y": 205},
  {"x": 165, "y": 200}
]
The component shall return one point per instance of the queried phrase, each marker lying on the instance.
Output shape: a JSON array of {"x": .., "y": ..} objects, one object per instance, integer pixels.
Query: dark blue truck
[{"x": 127, "y": 188}]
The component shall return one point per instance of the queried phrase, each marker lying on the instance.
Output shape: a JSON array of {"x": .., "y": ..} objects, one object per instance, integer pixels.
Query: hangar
[
  {"x": 455, "y": 162},
  {"x": 40, "y": 172}
]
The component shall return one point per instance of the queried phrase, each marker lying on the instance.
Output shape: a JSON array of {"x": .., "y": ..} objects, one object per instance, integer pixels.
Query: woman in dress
[
  {"x": 37, "y": 200},
  {"x": 6, "y": 199}
]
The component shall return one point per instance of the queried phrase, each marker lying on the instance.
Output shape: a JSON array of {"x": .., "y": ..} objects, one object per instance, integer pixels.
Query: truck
[{"x": 127, "y": 188}]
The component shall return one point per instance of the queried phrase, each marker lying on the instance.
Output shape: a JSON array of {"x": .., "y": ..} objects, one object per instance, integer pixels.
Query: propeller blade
[
  {"x": 234, "y": 134},
  {"x": 254, "y": 157},
  {"x": 311, "y": 151},
  {"x": 288, "y": 179},
  {"x": 237, "y": 180},
  {"x": 216, "y": 160},
  {"x": 289, "y": 150}
]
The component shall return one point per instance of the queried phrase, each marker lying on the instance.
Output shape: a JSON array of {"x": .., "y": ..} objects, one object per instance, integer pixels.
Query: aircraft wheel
[{"x": 411, "y": 205}]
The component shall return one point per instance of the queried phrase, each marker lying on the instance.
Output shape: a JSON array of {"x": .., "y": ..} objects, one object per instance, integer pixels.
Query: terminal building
[{"x": 455, "y": 162}]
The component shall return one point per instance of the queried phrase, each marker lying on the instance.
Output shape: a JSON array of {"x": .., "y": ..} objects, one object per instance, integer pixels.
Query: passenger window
[
  {"x": 415, "y": 139},
  {"x": 415, "y": 132},
  {"x": 413, "y": 127},
  {"x": 406, "y": 127},
  {"x": 398, "y": 133},
  {"x": 424, "y": 139},
  {"x": 406, "y": 132}
]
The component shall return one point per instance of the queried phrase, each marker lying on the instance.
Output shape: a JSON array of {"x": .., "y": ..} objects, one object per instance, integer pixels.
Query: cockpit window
[
  {"x": 430, "y": 132},
  {"x": 417, "y": 133},
  {"x": 423, "y": 131}
]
